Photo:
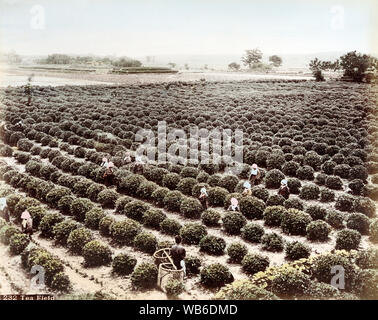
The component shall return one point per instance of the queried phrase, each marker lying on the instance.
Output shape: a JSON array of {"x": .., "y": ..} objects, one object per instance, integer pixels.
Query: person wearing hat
[
  {"x": 27, "y": 223},
  {"x": 203, "y": 198},
  {"x": 247, "y": 189},
  {"x": 139, "y": 165},
  {"x": 284, "y": 189},
  {"x": 255, "y": 174},
  {"x": 108, "y": 174},
  {"x": 234, "y": 206},
  {"x": 104, "y": 162}
]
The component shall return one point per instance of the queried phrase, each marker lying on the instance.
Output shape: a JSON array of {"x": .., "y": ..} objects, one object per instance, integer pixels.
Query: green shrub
[
  {"x": 318, "y": 230},
  {"x": 51, "y": 264},
  {"x": 321, "y": 291},
  {"x": 144, "y": 276},
  {"x": 365, "y": 206},
  {"x": 335, "y": 219},
  {"x": 253, "y": 263},
  {"x": 93, "y": 217},
  {"x": 146, "y": 189},
  {"x": 373, "y": 230},
  {"x": 172, "y": 201},
  {"x": 210, "y": 217},
  {"x": 79, "y": 207},
  {"x": 64, "y": 204},
  {"x": 37, "y": 213},
  {"x": 334, "y": 183},
  {"x": 348, "y": 240},
  {"x": 121, "y": 203},
  {"x": 174, "y": 287},
  {"x": 107, "y": 198},
  {"x": 191, "y": 208},
  {"x": 305, "y": 173},
  {"x": 153, "y": 218},
  {"x": 12, "y": 201},
  {"x": 295, "y": 222},
  {"x": 272, "y": 242},
  {"x": 171, "y": 180},
  {"x": 252, "y": 208},
  {"x": 273, "y": 178},
  {"x": 217, "y": 196},
  {"x": 216, "y": 275},
  {"x": 77, "y": 239},
  {"x": 316, "y": 212},
  {"x": 96, "y": 254},
  {"x": 327, "y": 195},
  {"x": 18, "y": 242},
  {"x": 192, "y": 233},
  {"x": 145, "y": 242},
  {"x": 244, "y": 290},
  {"x": 237, "y": 251},
  {"x": 135, "y": 210},
  {"x": 192, "y": 265},
  {"x": 6, "y": 232},
  {"x": 158, "y": 196},
  {"x": 56, "y": 194},
  {"x": 48, "y": 222},
  {"x": 294, "y": 185},
  {"x": 62, "y": 230},
  {"x": 290, "y": 283},
  {"x": 212, "y": 245},
  {"x": 61, "y": 283},
  {"x": 170, "y": 226},
  {"x": 275, "y": 160},
  {"x": 233, "y": 222},
  {"x": 252, "y": 232},
  {"x": 229, "y": 183},
  {"x": 367, "y": 259},
  {"x": 130, "y": 184},
  {"x": 323, "y": 264},
  {"x": 123, "y": 264},
  {"x": 125, "y": 231},
  {"x": 186, "y": 185},
  {"x": 344, "y": 203},
  {"x": 366, "y": 285},
  {"x": 104, "y": 225},
  {"x": 273, "y": 215},
  {"x": 359, "y": 222},
  {"x": 24, "y": 204},
  {"x": 309, "y": 192},
  {"x": 297, "y": 250},
  {"x": 293, "y": 203},
  {"x": 275, "y": 200},
  {"x": 260, "y": 193}
]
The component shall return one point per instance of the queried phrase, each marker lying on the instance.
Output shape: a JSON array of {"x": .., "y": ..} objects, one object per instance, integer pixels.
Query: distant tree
[
  {"x": 234, "y": 66},
  {"x": 357, "y": 65},
  {"x": 252, "y": 57},
  {"x": 186, "y": 66},
  {"x": 125, "y": 62},
  {"x": 276, "y": 60},
  {"x": 317, "y": 66},
  {"x": 205, "y": 66},
  {"x": 172, "y": 65}
]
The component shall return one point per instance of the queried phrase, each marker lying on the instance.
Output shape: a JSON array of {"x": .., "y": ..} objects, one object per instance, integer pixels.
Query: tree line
[
  {"x": 356, "y": 66},
  {"x": 57, "y": 58},
  {"x": 253, "y": 60}
]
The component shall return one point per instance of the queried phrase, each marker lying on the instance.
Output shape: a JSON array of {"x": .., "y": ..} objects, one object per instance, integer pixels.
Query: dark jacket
[{"x": 178, "y": 253}]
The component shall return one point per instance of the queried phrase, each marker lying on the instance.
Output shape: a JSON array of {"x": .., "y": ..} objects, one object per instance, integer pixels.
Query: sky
[{"x": 155, "y": 27}]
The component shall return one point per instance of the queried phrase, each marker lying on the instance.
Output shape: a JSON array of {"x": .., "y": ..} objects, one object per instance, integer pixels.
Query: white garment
[
  {"x": 183, "y": 266},
  {"x": 254, "y": 172}
]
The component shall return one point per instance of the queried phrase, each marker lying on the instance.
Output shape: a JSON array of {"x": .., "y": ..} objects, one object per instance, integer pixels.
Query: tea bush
[
  {"x": 347, "y": 240},
  {"x": 212, "y": 245},
  {"x": 237, "y": 251},
  {"x": 233, "y": 222},
  {"x": 216, "y": 275},
  {"x": 318, "y": 230},
  {"x": 145, "y": 242},
  {"x": 253, "y": 263},
  {"x": 123, "y": 264},
  {"x": 252, "y": 232},
  {"x": 297, "y": 250},
  {"x": 192, "y": 233},
  {"x": 272, "y": 242},
  {"x": 96, "y": 254}
]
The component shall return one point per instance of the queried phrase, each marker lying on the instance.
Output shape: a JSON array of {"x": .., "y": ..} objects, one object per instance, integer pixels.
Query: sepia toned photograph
[{"x": 190, "y": 150}]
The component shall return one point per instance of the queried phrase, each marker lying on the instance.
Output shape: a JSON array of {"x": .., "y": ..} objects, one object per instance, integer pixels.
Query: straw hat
[
  {"x": 25, "y": 215},
  {"x": 247, "y": 185},
  {"x": 284, "y": 182},
  {"x": 3, "y": 203},
  {"x": 254, "y": 166},
  {"x": 234, "y": 201}
]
